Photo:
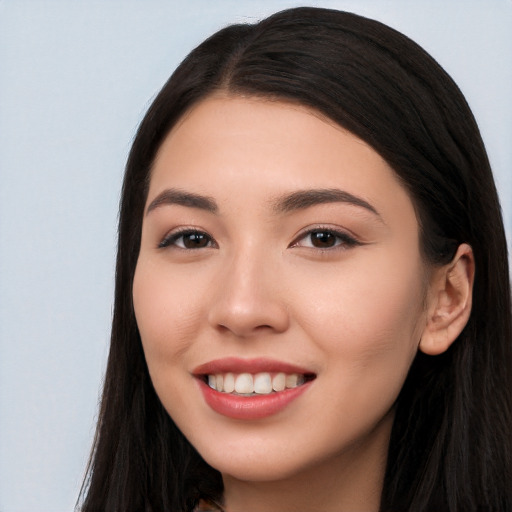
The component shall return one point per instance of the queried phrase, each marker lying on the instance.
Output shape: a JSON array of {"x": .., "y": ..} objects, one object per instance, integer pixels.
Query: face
[{"x": 279, "y": 290}]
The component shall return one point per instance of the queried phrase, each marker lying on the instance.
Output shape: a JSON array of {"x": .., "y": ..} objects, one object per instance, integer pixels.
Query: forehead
[{"x": 261, "y": 148}]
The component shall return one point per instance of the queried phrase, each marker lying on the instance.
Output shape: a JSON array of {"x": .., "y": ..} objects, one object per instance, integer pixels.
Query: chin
[
  {"x": 264, "y": 463},
  {"x": 257, "y": 470}
]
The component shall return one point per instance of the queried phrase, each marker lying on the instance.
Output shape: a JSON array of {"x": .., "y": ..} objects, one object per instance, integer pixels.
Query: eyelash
[
  {"x": 171, "y": 239},
  {"x": 343, "y": 240}
]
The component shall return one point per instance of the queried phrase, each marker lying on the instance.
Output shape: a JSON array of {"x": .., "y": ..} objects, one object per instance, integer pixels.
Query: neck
[{"x": 349, "y": 482}]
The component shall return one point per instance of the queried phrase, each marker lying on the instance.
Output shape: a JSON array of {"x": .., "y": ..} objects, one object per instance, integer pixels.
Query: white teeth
[
  {"x": 279, "y": 382},
  {"x": 261, "y": 383},
  {"x": 229, "y": 383},
  {"x": 244, "y": 383},
  {"x": 292, "y": 380}
]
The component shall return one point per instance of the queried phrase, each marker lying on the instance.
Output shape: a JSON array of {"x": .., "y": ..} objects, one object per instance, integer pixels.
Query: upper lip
[{"x": 257, "y": 365}]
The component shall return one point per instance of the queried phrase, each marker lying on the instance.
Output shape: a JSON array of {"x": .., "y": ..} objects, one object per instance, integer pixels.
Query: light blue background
[{"x": 75, "y": 80}]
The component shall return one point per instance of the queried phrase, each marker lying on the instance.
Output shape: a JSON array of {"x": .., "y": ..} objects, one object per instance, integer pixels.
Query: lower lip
[{"x": 250, "y": 407}]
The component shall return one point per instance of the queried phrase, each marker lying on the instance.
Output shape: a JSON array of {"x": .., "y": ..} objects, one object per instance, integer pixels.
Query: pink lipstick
[{"x": 251, "y": 389}]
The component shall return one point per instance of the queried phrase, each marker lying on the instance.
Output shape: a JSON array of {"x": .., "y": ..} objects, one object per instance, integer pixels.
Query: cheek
[
  {"x": 367, "y": 326},
  {"x": 167, "y": 312},
  {"x": 366, "y": 315}
]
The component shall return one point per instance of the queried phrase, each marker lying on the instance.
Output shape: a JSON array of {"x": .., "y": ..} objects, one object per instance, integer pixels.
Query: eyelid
[
  {"x": 169, "y": 240},
  {"x": 348, "y": 239}
]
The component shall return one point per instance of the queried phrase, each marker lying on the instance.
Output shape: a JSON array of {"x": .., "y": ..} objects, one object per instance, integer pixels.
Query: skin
[{"x": 352, "y": 313}]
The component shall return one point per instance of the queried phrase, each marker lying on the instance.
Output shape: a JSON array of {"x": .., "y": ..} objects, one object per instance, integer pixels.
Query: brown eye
[
  {"x": 195, "y": 240},
  {"x": 187, "y": 240},
  {"x": 323, "y": 239}
]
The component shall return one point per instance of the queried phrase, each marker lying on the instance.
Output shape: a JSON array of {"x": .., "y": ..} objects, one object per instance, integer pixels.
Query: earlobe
[{"x": 450, "y": 300}]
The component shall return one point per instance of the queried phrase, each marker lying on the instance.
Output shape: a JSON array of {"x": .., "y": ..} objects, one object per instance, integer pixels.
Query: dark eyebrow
[
  {"x": 182, "y": 198},
  {"x": 305, "y": 198}
]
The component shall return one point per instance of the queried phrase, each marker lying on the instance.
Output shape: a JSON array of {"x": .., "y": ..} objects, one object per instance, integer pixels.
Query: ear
[{"x": 449, "y": 304}]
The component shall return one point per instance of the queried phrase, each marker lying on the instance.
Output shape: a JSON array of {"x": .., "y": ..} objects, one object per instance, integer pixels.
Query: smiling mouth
[{"x": 262, "y": 383}]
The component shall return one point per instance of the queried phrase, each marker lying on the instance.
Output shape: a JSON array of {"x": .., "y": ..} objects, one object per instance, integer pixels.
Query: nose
[{"x": 249, "y": 298}]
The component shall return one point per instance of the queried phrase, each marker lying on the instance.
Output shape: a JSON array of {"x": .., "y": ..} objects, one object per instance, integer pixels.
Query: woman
[{"x": 312, "y": 304}]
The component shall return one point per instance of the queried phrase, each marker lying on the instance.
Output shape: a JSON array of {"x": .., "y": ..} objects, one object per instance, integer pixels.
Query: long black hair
[{"x": 450, "y": 447}]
